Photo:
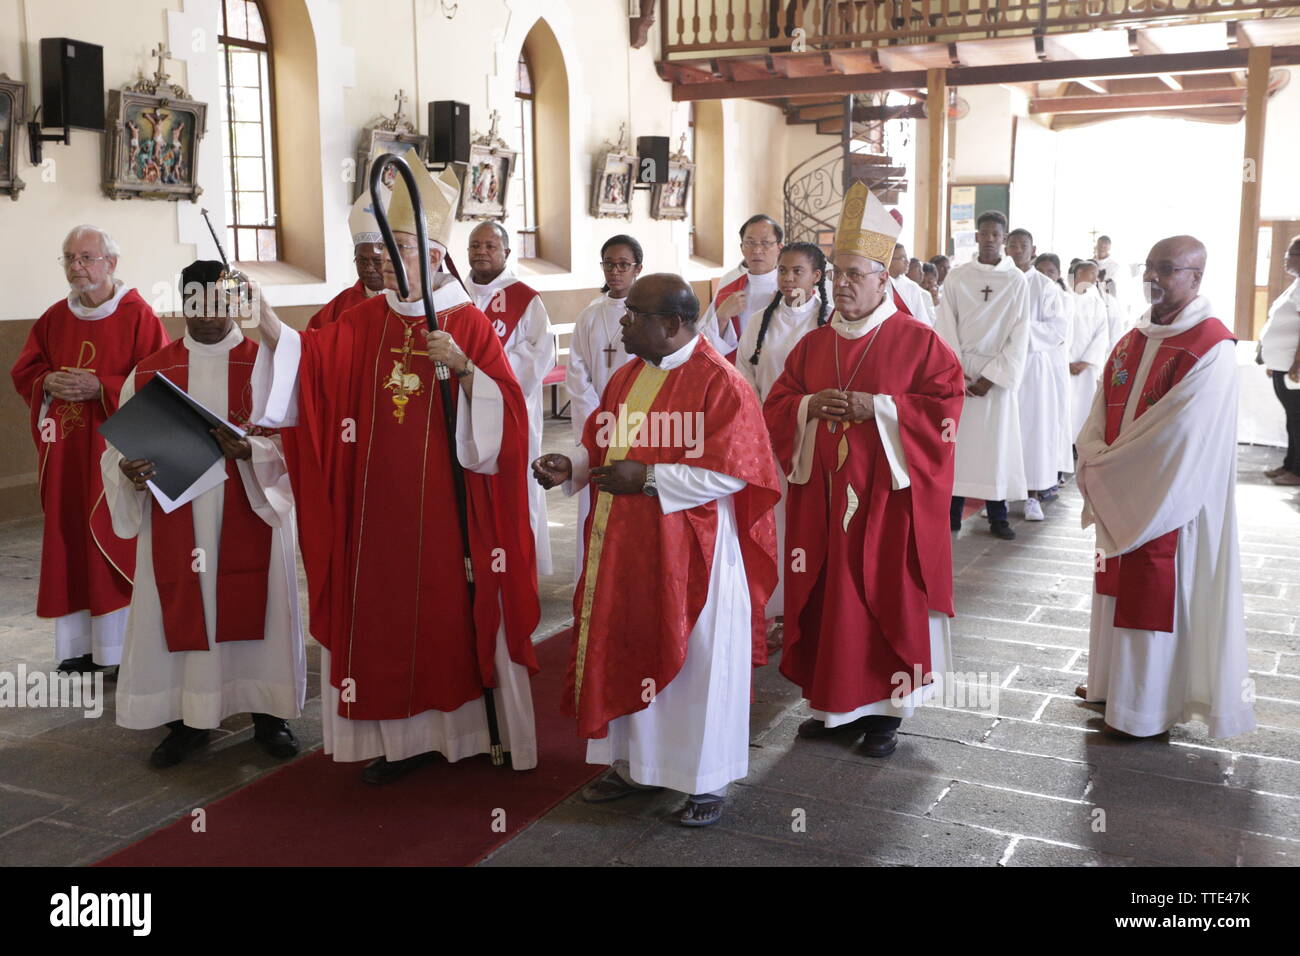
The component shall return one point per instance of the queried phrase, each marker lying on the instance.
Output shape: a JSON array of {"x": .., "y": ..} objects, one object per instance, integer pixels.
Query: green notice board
[{"x": 962, "y": 212}]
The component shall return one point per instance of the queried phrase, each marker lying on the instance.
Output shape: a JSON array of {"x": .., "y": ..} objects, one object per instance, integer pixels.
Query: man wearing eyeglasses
[
  {"x": 368, "y": 255},
  {"x": 679, "y": 563},
  {"x": 748, "y": 290},
  {"x": 70, "y": 372},
  {"x": 1158, "y": 474},
  {"x": 524, "y": 329}
]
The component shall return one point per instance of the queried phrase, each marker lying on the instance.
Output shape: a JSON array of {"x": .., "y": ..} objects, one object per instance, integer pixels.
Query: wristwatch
[
  {"x": 469, "y": 369},
  {"x": 649, "y": 487}
]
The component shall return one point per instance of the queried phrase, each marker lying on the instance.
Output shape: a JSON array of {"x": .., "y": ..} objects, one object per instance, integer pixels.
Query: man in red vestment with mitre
[
  {"x": 407, "y": 653},
  {"x": 864, "y": 419},
  {"x": 685, "y": 486},
  {"x": 70, "y": 373}
]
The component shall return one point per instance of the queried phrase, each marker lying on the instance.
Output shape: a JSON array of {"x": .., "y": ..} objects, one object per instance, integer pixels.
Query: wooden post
[
  {"x": 936, "y": 215},
  {"x": 1258, "y": 64}
]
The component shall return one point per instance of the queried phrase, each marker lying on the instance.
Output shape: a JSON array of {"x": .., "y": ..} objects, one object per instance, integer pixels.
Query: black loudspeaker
[
  {"x": 72, "y": 84},
  {"x": 651, "y": 160},
  {"x": 448, "y": 132}
]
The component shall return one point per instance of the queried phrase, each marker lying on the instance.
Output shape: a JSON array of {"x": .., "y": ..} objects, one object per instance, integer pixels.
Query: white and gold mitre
[
  {"x": 866, "y": 227},
  {"x": 362, "y": 223},
  {"x": 437, "y": 196}
]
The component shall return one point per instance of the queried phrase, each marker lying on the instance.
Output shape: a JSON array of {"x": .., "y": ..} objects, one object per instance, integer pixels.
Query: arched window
[
  {"x": 523, "y": 187},
  {"x": 247, "y": 133}
]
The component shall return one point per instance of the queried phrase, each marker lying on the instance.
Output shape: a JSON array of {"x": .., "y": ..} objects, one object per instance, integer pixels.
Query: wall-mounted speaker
[
  {"x": 652, "y": 160},
  {"x": 448, "y": 132},
  {"x": 72, "y": 84}
]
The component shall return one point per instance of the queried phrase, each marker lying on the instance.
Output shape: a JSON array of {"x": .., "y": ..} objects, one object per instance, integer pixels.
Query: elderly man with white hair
[{"x": 70, "y": 373}]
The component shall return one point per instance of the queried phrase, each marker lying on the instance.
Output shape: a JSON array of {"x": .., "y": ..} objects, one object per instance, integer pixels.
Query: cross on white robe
[
  {"x": 531, "y": 351},
  {"x": 462, "y": 732},
  {"x": 595, "y": 353},
  {"x": 984, "y": 317},
  {"x": 1152, "y": 680},
  {"x": 156, "y": 685},
  {"x": 1088, "y": 343},
  {"x": 1045, "y": 389}
]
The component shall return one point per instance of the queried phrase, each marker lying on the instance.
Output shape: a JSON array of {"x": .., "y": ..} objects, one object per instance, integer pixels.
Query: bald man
[
  {"x": 521, "y": 323},
  {"x": 680, "y": 560},
  {"x": 1157, "y": 470}
]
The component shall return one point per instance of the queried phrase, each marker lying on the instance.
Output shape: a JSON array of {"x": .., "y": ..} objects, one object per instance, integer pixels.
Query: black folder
[{"x": 162, "y": 424}]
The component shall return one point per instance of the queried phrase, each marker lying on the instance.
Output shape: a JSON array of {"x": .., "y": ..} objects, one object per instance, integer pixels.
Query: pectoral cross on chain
[{"x": 987, "y": 292}]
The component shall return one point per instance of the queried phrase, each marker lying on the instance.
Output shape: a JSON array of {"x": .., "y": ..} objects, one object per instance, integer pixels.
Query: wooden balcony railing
[{"x": 714, "y": 27}]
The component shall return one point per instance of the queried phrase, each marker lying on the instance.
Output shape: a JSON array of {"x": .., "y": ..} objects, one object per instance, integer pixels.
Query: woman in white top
[
  {"x": 1279, "y": 352},
  {"x": 1089, "y": 341},
  {"x": 799, "y": 306}
]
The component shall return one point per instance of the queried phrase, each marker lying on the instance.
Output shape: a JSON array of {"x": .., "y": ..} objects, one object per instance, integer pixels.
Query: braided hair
[{"x": 817, "y": 257}]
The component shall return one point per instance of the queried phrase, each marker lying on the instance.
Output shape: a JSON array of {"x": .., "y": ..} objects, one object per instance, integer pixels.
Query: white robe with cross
[
  {"x": 1045, "y": 390},
  {"x": 984, "y": 317},
  {"x": 1173, "y": 468}
]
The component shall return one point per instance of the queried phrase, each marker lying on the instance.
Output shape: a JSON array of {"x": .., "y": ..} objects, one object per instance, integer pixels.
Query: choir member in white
[
  {"x": 1089, "y": 340},
  {"x": 517, "y": 313},
  {"x": 1150, "y": 680},
  {"x": 917, "y": 300},
  {"x": 799, "y": 306},
  {"x": 743, "y": 294},
  {"x": 984, "y": 318},
  {"x": 1045, "y": 389},
  {"x": 193, "y": 691}
]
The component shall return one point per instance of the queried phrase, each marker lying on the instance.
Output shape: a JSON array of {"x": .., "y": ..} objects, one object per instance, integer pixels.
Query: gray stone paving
[{"x": 1019, "y": 787}]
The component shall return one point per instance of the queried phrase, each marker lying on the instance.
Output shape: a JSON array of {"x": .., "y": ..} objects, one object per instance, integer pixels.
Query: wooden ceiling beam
[{"x": 1128, "y": 102}]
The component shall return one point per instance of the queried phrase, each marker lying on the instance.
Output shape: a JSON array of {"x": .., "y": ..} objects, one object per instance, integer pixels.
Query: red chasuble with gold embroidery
[
  {"x": 352, "y": 296},
  {"x": 84, "y": 566},
  {"x": 871, "y": 562},
  {"x": 646, "y": 574},
  {"x": 1143, "y": 581},
  {"x": 386, "y": 574}
]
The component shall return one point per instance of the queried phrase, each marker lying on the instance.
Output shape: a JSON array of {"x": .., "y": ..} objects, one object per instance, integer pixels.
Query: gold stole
[{"x": 639, "y": 399}]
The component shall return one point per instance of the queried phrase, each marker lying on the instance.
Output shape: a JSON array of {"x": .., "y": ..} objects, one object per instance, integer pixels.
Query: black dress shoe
[
  {"x": 954, "y": 523},
  {"x": 881, "y": 735},
  {"x": 85, "y": 664},
  {"x": 384, "y": 771},
  {"x": 813, "y": 728},
  {"x": 274, "y": 735},
  {"x": 179, "y": 744},
  {"x": 1002, "y": 529}
]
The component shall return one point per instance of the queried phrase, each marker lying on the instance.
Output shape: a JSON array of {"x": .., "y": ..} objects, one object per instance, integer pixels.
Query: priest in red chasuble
[
  {"x": 368, "y": 255},
  {"x": 679, "y": 560},
  {"x": 70, "y": 373},
  {"x": 407, "y": 652},
  {"x": 863, "y": 419}
]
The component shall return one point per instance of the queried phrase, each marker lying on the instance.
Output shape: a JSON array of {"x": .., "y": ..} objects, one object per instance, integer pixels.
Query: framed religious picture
[
  {"x": 670, "y": 200},
  {"x": 393, "y": 134},
  {"x": 151, "y": 149},
  {"x": 486, "y": 181},
  {"x": 13, "y": 109},
  {"x": 613, "y": 178}
]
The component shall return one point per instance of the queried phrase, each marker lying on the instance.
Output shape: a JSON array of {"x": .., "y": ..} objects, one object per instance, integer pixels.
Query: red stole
[
  {"x": 350, "y": 297},
  {"x": 737, "y": 284},
  {"x": 507, "y": 307},
  {"x": 867, "y": 563},
  {"x": 646, "y": 574},
  {"x": 898, "y": 301},
  {"x": 245, "y": 551},
  {"x": 1142, "y": 581},
  {"x": 84, "y": 565}
]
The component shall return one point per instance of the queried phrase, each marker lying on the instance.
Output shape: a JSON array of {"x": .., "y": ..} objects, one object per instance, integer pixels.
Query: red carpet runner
[{"x": 316, "y": 812}]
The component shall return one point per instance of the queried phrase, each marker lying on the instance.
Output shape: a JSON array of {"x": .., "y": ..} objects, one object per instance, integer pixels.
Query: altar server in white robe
[
  {"x": 1089, "y": 341},
  {"x": 800, "y": 305},
  {"x": 596, "y": 349},
  {"x": 1157, "y": 470},
  {"x": 1045, "y": 390},
  {"x": 919, "y": 302},
  {"x": 744, "y": 294},
  {"x": 661, "y": 689},
  {"x": 984, "y": 318},
  {"x": 521, "y": 323},
  {"x": 226, "y": 639}
]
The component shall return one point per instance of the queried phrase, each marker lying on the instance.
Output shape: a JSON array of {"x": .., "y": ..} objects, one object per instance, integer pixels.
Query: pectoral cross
[
  {"x": 987, "y": 292},
  {"x": 609, "y": 351},
  {"x": 403, "y": 382}
]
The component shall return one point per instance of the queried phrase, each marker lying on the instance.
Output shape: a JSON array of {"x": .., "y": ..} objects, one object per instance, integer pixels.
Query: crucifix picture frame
[
  {"x": 485, "y": 184},
  {"x": 391, "y": 134},
  {"x": 613, "y": 178},
  {"x": 13, "y": 111}
]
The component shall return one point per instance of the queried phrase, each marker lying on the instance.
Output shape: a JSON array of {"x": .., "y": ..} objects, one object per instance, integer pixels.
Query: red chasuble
[
  {"x": 244, "y": 554},
  {"x": 646, "y": 574},
  {"x": 385, "y": 569},
  {"x": 1142, "y": 581},
  {"x": 84, "y": 566},
  {"x": 353, "y": 295},
  {"x": 506, "y": 308},
  {"x": 872, "y": 562}
]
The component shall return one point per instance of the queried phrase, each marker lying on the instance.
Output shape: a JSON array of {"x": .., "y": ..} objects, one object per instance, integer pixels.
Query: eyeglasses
[
  {"x": 411, "y": 247},
  {"x": 80, "y": 260},
  {"x": 617, "y": 266},
  {"x": 637, "y": 313},
  {"x": 749, "y": 245},
  {"x": 1165, "y": 269}
]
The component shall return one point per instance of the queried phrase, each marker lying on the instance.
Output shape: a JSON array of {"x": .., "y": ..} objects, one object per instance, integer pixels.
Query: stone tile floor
[{"x": 1021, "y": 785}]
